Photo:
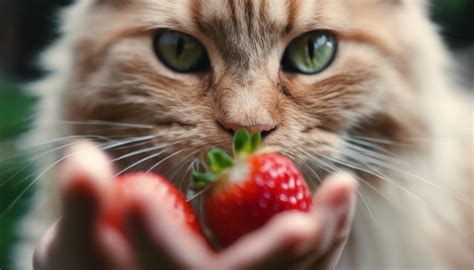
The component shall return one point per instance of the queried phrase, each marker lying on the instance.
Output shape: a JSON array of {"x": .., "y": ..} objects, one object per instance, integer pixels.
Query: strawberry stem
[
  {"x": 219, "y": 160},
  {"x": 200, "y": 180},
  {"x": 239, "y": 143},
  {"x": 245, "y": 143},
  {"x": 255, "y": 141}
]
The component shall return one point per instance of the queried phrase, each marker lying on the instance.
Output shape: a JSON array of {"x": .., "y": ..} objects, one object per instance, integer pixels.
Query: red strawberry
[
  {"x": 248, "y": 191},
  {"x": 126, "y": 185}
]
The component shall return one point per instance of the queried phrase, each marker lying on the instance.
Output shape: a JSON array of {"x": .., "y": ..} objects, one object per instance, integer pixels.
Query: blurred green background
[{"x": 28, "y": 26}]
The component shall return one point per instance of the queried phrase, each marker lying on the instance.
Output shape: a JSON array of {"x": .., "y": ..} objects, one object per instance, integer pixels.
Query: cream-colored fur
[{"x": 391, "y": 68}]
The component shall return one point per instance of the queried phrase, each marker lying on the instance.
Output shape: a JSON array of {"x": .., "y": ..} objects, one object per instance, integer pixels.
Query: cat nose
[{"x": 264, "y": 129}]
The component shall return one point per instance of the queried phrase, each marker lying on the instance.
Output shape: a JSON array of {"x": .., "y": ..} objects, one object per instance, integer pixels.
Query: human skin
[{"x": 80, "y": 241}]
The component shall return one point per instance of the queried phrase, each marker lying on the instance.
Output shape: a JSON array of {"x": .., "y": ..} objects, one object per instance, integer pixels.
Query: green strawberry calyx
[{"x": 244, "y": 144}]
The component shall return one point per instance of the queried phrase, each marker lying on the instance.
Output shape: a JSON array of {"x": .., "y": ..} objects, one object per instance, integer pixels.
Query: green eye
[
  {"x": 180, "y": 52},
  {"x": 310, "y": 53}
]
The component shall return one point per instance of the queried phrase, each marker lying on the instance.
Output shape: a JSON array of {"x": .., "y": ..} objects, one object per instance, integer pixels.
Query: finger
[
  {"x": 117, "y": 248},
  {"x": 337, "y": 197},
  {"x": 158, "y": 241},
  {"x": 85, "y": 176},
  {"x": 284, "y": 240},
  {"x": 85, "y": 163},
  {"x": 40, "y": 257}
]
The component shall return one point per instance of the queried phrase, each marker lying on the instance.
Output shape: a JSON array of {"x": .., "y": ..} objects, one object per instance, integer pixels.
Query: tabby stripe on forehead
[
  {"x": 233, "y": 14},
  {"x": 249, "y": 16},
  {"x": 196, "y": 14},
  {"x": 292, "y": 10}
]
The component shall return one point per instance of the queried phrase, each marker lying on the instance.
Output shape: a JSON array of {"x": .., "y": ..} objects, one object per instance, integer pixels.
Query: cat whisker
[
  {"x": 107, "y": 123},
  {"x": 372, "y": 153},
  {"x": 432, "y": 209},
  {"x": 20, "y": 152},
  {"x": 188, "y": 169},
  {"x": 176, "y": 141},
  {"x": 138, "y": 152},
  {"x": 133, "y": 145},
  {"x": 385, "y": 178},
  {"x": 407, "y": 141},
  {"x": 181, "y": 164},
  {"x": 163, "y": 160},
  {"x": 127, "y": 141},
  {"x": 333, "y": 169},
  {"x": 366, "y": 157},
  {"x": 196, "y": 195},
  {"x": 358, "y": 156},
  {"x": 371, "y": 186},
  {"x": 140, "y": 162},
  {"x": 39, "y": 176},
  {"x": 369, "y": 145},
  {"x": 186, "y": 161},
  {"x": 376, "y": 140},
  {"x": 369, "y": 171},
  {"x": 105, "y": 146},
  {"x": 32, "y": 161},
  {"x": 313, "y": 186}
]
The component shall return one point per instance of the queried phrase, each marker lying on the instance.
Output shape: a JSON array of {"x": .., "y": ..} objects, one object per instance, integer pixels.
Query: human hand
[{"x": 79, "y": 240}]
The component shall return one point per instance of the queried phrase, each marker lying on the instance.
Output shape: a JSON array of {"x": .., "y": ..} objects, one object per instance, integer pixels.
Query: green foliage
[
  {"x": 14, "y": 180},
  {"x": 16, "y": 110},
  {"x": 456, "y": 19}
]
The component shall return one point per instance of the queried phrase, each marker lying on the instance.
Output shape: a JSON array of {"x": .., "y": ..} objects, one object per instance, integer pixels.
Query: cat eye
[
  {"x": 310, "y": 53},
  {"x": 180, "y": 52}
]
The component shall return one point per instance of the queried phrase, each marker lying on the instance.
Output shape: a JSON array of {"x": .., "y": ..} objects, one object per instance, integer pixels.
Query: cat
[{"x": 376, "y": 97}]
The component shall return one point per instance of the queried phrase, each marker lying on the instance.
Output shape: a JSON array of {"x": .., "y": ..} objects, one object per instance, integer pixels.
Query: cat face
[{"x": 310, "y": 74}]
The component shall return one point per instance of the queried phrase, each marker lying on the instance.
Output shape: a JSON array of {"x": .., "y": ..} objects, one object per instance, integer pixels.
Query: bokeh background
[{"x": 28, "y": 26}]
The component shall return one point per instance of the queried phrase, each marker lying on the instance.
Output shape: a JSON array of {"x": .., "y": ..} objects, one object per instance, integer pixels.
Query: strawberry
[
  {"x": 126, "y": 185},
  {"x": 250, "y": 189}
]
